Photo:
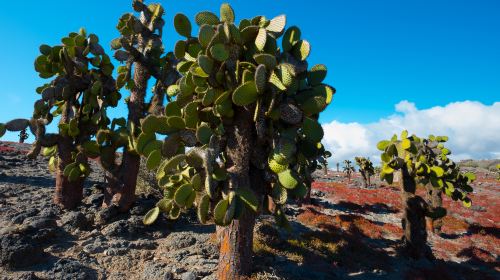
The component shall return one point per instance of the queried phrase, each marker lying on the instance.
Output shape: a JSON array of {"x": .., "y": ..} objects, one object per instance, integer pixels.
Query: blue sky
[{"x": 378, "y": 53}]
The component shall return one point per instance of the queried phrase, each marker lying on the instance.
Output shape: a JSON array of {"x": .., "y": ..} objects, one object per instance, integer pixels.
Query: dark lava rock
[
  {"x": 74, "y": 220},
  {"x": 72, "y": 269},
  {"x": 17, "y": 251},
  {"x": 19, "y": 219},
  {"x": 95, "y": 199},
  {"x": 105, "y": 215},
  {"x": 156, "y": 271}
]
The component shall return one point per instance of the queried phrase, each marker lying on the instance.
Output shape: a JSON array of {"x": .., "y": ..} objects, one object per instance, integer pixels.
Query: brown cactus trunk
[
  {"x": 67, "y": 194},
  {"x": 435, "y": 200},
  {"x": 413, "y": 221},
  {"x": 365, "y": 180},
  {"x": 121, "y": 190},
  {"x": 236, "y": 240}
]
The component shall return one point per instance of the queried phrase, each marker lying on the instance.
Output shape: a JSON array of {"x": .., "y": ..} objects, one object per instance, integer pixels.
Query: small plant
[
  {"x": 348, "y": 169},
  {"x": 422, "y": 162},
  {"x": 366, "y": 169}
]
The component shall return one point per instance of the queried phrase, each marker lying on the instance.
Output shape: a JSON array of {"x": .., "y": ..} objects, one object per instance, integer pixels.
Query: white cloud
[{"x": 473, "y": 129}]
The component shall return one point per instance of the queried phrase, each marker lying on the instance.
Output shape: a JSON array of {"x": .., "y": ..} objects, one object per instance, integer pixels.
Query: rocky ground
[{"x": 349, "y": 232}]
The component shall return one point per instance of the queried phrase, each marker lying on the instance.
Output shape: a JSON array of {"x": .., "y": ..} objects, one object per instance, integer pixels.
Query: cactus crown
[
  {"x": 426, "y": 159},
  {"x": 225, "y": 67}
]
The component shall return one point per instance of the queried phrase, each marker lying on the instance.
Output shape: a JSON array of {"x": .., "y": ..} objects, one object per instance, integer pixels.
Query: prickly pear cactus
[
  {"x": 427, "y": 161},
  {"x": 348, "y": 168},
  {"x": 80, "y": 92},
  {"x": 228, "y": 67},
  {"x": 365, "y": 168}
]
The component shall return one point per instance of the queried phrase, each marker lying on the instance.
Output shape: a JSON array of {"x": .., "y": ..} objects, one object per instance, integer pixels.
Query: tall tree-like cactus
[
  {"x": 242, "y": 129},
  {"x": 140, "y": 48},
  {"x": 348, "y": 169},
  {"x": 422, "y": 162},
  {"x": 81, "y": 91},
  {"x": 323, "y": 160},
  {"x": 366, "y": 169}
]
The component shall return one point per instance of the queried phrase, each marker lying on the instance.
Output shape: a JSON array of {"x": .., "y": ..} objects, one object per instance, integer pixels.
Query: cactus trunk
[
  {"x": 121, "y": 190},
  {"x": 236, "y": 240},
  {"x": 236, "y": 245},
  {"x": 413, "y": 221},
  {"x": 365, "y": 179},
  {"x": 67, "y": 194},
  {"x": 435, "y": 200}
]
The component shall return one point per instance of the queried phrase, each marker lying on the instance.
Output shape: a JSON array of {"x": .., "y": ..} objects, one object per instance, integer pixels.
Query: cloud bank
[{"x": 473, "y": 129}]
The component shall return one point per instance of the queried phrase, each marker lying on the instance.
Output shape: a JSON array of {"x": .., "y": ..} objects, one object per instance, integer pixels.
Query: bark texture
[
  {"x": 236, "y": 240},
  {"x": 67, "y": 194},
  {"x": 121, "y": 184},
  {"x": 413, "y": 221},
  {"x": 435, "y": 200}
]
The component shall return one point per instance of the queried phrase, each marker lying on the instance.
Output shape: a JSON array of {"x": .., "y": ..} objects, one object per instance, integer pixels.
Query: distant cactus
[
  {"x": 498, "y": 172},
  {"x": 81, "y": 91},
  {"x": 323, "y": 160},
  {"x": 242, "y": 127},
  {"x": 422, "y": 162},
  {"x": 338, "y": 166},
  {"x": 366, "y": 169},
  {"x": 348, "y": 169},
  {"x": 23, "y": 135}
]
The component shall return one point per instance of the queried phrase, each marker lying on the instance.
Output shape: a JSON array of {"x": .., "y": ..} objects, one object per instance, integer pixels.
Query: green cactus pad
[
  {"x": 226, "y": 13},
  {"x": 208, "y": 98},
  {"x": 300, "y": 190},
  {"x": 260, "y": 40},
  {"x": 172, "y": 109},
  {"x": 205, "y": 35},
  {"x": 17, "y": 125},
  {"x": 149, "y": 124},
  {"x": 248, "y": 197},
  {"x": 176, "y": 122},
  {"x": 206, "y": 63},
  {"x": 288, "y": 179},
  {"x": 290, "y": 38},
  {"x": 277, "y": 167},
  {"x": 220, "y": 211},
  {"x": 2, "y": 130},
  {"x": 268, "y": 60},
  {"x": 326, "y": 91},
  {"x": 203, "y": 133},
  {"x": 182, "y": 25},
  {"x": 151, "y": 216},
  {"x": 182, "y": 194},
  {"x": 197, "y": 182},
  {"x": 313, "y": 105},
  {"x": 154, "y": 159},
  {"x": 219, "y": 52},
  {"x": 279, "y": 194},
  {"x": 317, "y": 74},
  {"x": 277, "y": 24},
  {"x": 206, "y": 17},
  {"x": 261, "y": 78},
  {"x": 312, "y": 129},
  {"x": 74, "y": 174},
  {"x": 203, "y": 208},
  {"x": 173, "y": 162},
  {"x": 180, "y": 49},
  {"x": 165, "y": 205},
  {"x": 245, "y": 94},
  {"x": 301, "y": 50}
]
